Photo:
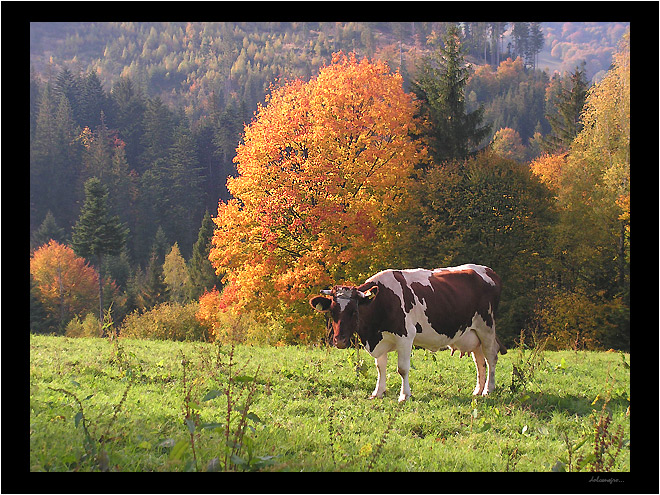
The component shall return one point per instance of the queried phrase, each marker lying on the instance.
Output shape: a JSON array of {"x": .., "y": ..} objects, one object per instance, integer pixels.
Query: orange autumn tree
[
  {"x": 66, "y": 284},
  {"x": 322, "y": 171}
]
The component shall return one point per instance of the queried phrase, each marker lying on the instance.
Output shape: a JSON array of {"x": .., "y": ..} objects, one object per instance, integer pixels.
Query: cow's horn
[{"x": 326, "y": 292}]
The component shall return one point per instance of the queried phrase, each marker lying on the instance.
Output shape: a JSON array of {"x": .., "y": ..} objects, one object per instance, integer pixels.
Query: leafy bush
[
  {"x": 575, "y": 321},
  {"x": 166, "y": 321},
  {"x": 89, "y": 327},
  {"x": 228, "y": 326}
]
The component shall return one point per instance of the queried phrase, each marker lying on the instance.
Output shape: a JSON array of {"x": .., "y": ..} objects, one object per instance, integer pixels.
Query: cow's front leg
[
  {"x": 404, "y": 370},
  {"x": 381, "y": 385}
]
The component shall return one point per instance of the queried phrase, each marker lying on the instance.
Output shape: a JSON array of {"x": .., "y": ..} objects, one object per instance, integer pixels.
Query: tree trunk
[
  {"x": 622, "y": 255},
  {"x": 100, "y": 262}
]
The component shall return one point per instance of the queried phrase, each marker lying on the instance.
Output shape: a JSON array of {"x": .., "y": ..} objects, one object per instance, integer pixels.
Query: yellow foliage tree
[
  {"x": 321, "y": 171},
  {"x": 549, "y": 169},
  {"x": 508, "y": 144},
  {"x": 595, "y": 185}
]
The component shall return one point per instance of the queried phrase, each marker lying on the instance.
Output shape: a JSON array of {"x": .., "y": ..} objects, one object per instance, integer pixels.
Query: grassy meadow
[{"x": 133, "y": 405}]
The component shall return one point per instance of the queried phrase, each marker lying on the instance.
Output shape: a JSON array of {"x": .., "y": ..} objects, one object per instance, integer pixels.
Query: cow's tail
[{"x": 502, "y": 349}]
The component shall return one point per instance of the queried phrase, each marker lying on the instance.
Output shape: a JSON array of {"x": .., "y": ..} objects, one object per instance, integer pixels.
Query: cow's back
[{"x": 444, "y": 299}]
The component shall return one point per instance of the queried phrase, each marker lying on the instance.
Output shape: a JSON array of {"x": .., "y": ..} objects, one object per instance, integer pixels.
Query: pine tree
[
  {"x": 154, "y": 290},
  {"x": 565, "y": 121},
  {"x": 535, "y": 42},
  {"x": 35, "y": 90},
  {"x": 54, "y": 160},
  {"x": 97, "y": 233},
  {"x": 202, "y": 273},
  {"x": 93, "y": 100},
  {"x": 47, "y": 230},
  {"x": 184, "y": 189},
  {"x": 69, "y": 86},
  {"x": 157, "y": 137},
  {"x": 130, "y": 107},
  {"x": 453, "y": 133},
  {"x": 520, "y": 35},
  {"x": 98, "y": 156}
]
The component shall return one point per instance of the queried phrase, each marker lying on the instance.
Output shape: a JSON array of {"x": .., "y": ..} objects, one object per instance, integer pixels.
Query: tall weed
[
  {"x": 238, "y": 389},
  {"x": 528, "y": 359}
]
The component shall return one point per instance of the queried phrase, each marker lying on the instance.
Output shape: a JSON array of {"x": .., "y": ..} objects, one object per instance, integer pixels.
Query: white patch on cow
[
  {"x": 343, "y": 302},
  {"x": 418, "y": 275},
  {"x": 464, "y": 341},
  {"x": 480, "y": 269},
  {"x": 343, "y": 297}
]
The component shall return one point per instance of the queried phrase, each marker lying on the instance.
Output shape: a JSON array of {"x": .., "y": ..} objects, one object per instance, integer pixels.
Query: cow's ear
[
  {"x": 368, "y": 295},
  {"x": 320, "y": 303}
]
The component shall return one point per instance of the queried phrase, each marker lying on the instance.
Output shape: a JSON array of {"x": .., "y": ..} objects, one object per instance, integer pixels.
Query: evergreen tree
[
  {"x": 535, "y": 42},
  {"x": 202, "y": 273},
  {"x": 452, "y": 133},
  {"x": 47, "y": 230},
  {"x": 98, "y": 155},
  {"x": 97, "y": 233},
  {"x": 565, "y": 120},
  {"x": 158, "y": 131},
  {"x": 154, "y": 290},
  {"x": 93, "y": 100},
  {"x": 66, "y": 161},
  {"x": 35, "y": 90},
  {"x": 184, "y": 189},
  {"x": 54, "y": 160},
  {"x": 41, "y": 320},
  {"x": 129, "y": 109},
  {"x": 70, "y": 86},
  {"x": 520, "y": 36}
]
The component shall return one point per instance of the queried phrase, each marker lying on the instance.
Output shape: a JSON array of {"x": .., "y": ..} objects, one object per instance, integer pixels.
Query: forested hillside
[{"x": 156, "y": 111}]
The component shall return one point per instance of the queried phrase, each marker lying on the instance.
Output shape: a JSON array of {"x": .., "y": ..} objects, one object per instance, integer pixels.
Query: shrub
[
  {"x": 89, "y": 327},
  {"x": 166, "y": 321},
  {"x": 229, "y": 326},
  {"x": 576, "y": 321}
]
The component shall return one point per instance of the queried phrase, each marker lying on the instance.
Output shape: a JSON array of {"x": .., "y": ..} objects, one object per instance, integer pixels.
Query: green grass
[{"x": 310, "y": 409}]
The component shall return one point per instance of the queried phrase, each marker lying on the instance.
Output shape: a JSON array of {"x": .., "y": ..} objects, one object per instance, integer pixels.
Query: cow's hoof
[
  {"x": 376, "y": 396},
  {"x": 403, "y": 398}
]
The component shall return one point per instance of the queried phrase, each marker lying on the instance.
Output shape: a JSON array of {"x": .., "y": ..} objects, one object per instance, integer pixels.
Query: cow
[{"x": 434, "y": 309}]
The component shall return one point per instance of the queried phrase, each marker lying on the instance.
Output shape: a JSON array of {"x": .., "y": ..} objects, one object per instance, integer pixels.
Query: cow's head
[{"x": 344, "y": 306}]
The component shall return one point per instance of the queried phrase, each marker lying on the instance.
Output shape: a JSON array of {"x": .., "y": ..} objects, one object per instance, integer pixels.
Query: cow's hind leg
[
  {"x": 480, "y": 363},
  {"x": 404, "y": 370},
  {"x": 489, "y": 348},
  {"x": 381, "y": 366}
]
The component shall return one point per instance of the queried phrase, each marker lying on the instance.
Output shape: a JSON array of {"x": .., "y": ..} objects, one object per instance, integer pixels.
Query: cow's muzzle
[{"x": 342, "y": 343}]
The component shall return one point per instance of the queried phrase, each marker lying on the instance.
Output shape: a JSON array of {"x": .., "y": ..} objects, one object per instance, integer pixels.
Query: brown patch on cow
[
  {"x": 453, "y": 298},
  {"x": 408, "y": 297},
  {"x": 382, "y": 314}
]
